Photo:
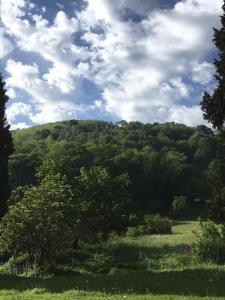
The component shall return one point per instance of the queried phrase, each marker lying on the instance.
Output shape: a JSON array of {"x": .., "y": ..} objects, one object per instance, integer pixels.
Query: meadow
[{"x": 155, "y": 267}]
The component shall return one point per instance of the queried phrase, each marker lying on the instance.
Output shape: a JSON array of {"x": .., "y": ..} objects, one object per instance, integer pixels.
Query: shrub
[
  {"x": 153, "y": 224},
  {"x": 179, "y": 205},
  {"x": 210, "y": 244},
  {"x": 136, "y": 231}
]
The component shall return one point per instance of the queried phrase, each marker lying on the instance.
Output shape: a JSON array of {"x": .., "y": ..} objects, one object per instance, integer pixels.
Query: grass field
[{"x": 147, "y": 267}]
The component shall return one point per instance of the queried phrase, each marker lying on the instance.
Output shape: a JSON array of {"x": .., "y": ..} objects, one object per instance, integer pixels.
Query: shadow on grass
[
  {"x": 181, "y": 222},
  {"x": 198, "y": 282},
  {"x": 130, "y": 253}
]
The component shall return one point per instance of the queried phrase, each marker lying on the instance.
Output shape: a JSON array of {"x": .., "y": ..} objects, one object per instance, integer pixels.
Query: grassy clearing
[{"x": 171, "y": 274}]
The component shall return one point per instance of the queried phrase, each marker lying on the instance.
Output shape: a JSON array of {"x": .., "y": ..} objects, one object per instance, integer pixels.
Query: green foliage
[
  {"x": 162, "y": 160},
  {"x": 46, "y": 219},
  {"x": 210, "y": 244},
  {"x": 22, "y": 164},
  {"x": 101, "y": 203},
  {"x": 213, "y": 107},
  {"x": 136, "y": 231},
  {"x": 179, "y": 205},
  {"x": 156, "y": 224},
  {"x": 153, "y": 224},
  {"x": 215, "y": 179},
  {"x": 39, "y": 223}
]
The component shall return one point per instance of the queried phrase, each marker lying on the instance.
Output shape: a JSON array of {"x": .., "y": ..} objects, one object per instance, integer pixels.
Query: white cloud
[
  {"x": 6, "y": 45},
  {"x": 199, "y": 7},
  {"x": 203, "y": 73},
  {"x": 53, "y": 43},
  {"x": 19, "y": 125},
  {"x": 17, "y": 108},
  {"x": 49, "y": 103},
  {"x": 180, "y": 87},
  {"x": 186, "y": 115},
  {"x": 146, "y": 69},
  {"x": 51, "y": 93},
  {"x": 11, "y": 93},
  {"x": 143, "y": 66}
]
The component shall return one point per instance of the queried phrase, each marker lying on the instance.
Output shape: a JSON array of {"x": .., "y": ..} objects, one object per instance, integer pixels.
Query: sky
[{"x": 133, "y": 60}]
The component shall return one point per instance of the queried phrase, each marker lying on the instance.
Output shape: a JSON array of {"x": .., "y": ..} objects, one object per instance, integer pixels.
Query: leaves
[{"x": 38, "y": 224}]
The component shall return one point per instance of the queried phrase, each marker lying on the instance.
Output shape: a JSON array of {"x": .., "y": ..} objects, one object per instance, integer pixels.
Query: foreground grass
[
  {"x": 128, "y": 277},
  {"x": 192, "y": 284}
]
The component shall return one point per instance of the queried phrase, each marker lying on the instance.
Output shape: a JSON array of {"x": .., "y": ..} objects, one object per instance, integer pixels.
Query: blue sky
[{"x": 146, "y": 60}]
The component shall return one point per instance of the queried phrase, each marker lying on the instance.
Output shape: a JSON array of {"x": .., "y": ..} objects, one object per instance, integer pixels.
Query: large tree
[
  {"x": 213, "y": 107},
  {"x": 6, "y": 148},
  {"x": 101, "y": 204},
  {"x": 38, "y": 224}
]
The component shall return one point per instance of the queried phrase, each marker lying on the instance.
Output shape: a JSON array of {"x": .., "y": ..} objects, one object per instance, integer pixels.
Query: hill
[{"x": 162, "y": 160}]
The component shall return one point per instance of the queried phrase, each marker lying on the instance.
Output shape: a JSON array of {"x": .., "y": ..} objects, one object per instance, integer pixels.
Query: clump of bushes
[
  {"x": 136, "y": 231},
  {"x": 210, "y": 244},
  {"x": 153, "y": 224},
  {"x": 156, "y": 224}
]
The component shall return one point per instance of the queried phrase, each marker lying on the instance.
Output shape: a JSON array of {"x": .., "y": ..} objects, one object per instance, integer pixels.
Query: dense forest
[{"x": 163, "y": 161}]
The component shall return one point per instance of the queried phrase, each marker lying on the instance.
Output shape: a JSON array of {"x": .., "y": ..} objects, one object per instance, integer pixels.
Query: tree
[
  {"x": 6, "y": 148},
  {"x": 39, "y": 223},
  {"x": 213, "y": 107},
  {"x": 101, "y": 203},
  {"x": 217, "y": 206}
]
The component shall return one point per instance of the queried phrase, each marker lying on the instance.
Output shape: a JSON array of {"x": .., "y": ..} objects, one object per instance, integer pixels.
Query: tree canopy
[
  {"x": 6, "y": 148},
  {"x": 213, "y": 107},
  {"x": 162, "y": 160}
]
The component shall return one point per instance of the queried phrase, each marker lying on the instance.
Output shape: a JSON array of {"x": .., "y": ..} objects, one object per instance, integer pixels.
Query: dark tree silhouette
[
  {"x": 6, "y": 148},
  {"x": 213, "y": 107}
]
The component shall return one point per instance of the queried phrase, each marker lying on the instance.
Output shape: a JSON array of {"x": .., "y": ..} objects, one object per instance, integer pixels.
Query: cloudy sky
[{"x": 146, "y": 60}]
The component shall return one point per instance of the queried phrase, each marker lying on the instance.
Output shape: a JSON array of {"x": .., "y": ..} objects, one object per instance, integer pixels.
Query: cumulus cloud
[
  {"x": 53, "y": 43},
  {"x": 144, "y": 67},
  {"x": 16, "y": 109},
  {"x": 203, "y": 72},
  {"x": 51, "y": 93},
  {"x": 49, "y": 105},
  {"x": 146, "y": 58},
  {"x": 6, "y": 45}
]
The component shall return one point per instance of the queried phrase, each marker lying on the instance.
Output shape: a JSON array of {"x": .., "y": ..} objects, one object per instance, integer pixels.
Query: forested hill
[{"x": 163, "y": 160}]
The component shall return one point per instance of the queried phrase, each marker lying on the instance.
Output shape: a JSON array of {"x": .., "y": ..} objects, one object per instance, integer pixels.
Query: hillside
[{"x": 162, "y": 160}]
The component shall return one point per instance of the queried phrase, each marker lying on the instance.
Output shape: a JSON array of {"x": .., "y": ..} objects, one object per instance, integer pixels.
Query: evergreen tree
[
  {"x": 6, "y": 148},
  {"x": 213, "y": 107}
]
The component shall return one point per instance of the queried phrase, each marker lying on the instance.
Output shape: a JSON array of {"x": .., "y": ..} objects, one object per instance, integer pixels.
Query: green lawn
[{"x": 166, "y": 271}]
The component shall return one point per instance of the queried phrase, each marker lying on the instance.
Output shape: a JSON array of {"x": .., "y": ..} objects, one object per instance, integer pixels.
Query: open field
[{"x": 165, "y": 270}]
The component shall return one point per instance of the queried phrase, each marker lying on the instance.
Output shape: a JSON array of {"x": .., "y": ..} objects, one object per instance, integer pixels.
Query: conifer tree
[
  {"x": 6, "y": 148},
  {"x": 213, "y": 107}
]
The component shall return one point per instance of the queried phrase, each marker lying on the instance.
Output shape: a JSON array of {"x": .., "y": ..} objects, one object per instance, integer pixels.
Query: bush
[
  {"x": 136, "y": 231},
  {"x": 179, "y": 205},
  {"x": 210, "y": 244},
  {"x": 153, "y": 224}
]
